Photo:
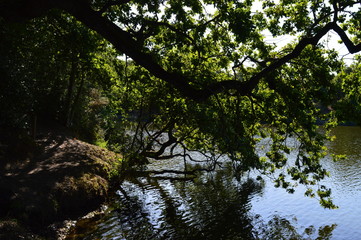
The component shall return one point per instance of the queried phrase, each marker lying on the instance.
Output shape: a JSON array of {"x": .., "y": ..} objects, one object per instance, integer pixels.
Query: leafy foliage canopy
[{"x": 195, "y": 75}]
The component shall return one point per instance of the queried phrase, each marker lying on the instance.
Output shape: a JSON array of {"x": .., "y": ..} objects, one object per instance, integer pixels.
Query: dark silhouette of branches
[{"x": 125, "y": 42}]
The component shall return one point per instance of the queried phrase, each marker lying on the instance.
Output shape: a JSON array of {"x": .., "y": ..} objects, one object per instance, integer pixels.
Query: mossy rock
[
  {"x": 78, "y": 195},
  {"x": 67, "y": 180}
]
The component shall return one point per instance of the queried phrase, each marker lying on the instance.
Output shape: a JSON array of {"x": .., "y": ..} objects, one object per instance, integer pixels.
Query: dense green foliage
[
  {"x": 52, "y": 68},
  {"x": 190, "y": 75},
  {"x": 349, "y": 80}
]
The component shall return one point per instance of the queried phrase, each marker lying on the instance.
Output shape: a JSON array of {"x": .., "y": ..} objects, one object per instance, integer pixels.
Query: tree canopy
[{"x": 199, "y": 75}]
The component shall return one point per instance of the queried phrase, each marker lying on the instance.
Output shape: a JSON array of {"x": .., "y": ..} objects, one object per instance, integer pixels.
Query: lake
[{"x": 218, "y": 206}]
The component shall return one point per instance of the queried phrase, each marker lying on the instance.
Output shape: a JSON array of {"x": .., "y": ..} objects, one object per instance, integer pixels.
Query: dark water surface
[{"x": 218, "y": 206}]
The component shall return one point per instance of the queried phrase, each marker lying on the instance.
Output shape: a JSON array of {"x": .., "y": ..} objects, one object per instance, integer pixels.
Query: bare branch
[
  {"x": 171, "y": 140},
  {"x": 169, "y": 126},
  {"x": 335, "y": 8},
  {"x": 166, "y": 157},
  {"x": 175, "y": 178},
  {"x": 193, "y": 172}
]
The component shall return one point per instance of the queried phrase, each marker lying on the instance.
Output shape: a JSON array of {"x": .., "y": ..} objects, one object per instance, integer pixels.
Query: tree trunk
[
  {"x": 70, "y": 93},
  {"x": 76, "y": 101}
]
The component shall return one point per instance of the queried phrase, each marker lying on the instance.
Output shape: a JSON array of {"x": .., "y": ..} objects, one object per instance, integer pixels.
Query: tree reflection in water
[
  {"x": 282, "y": 228},
  {"x": 212, "y": 206}
]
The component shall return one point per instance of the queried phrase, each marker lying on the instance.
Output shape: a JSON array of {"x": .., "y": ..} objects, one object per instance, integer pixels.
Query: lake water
[{"x": 217, "y": 206}]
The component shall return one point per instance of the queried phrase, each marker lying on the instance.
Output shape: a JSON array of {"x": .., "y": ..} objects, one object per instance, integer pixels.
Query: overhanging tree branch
[
  {"x": 351, "y": 47},
  {"x": 125, "y": 43}
]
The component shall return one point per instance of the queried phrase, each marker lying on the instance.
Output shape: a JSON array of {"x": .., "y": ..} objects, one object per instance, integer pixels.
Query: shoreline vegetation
[
  {"x": 62, "y": 179},
  {"x": 48, "y": 182}
]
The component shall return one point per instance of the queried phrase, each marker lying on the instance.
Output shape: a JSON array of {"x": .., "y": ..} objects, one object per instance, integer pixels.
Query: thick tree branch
[
  {"x": 351, "y": 47},
  {"x": 164, "y": 146},
  {"x": 125, "y": 43},
  {"x": 245, "y": 88}
]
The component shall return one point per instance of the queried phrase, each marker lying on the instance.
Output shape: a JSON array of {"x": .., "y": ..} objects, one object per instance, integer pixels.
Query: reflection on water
[
  {"x": 348, "y": 141},
  {"x": 282, "y": 228},
  {"x": 212, "y": 207},
  {"x": 345, "y": 182},
  {"x": 217, "y": 206},
  {"x": 346, "y": 173}
]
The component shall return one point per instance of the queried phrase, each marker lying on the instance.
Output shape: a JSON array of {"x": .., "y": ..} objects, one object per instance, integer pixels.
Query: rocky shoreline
[{"x": 66, "y": 180}]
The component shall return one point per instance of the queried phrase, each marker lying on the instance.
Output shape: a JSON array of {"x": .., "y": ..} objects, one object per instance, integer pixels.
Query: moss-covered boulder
[{"x": 67, "y": 180}]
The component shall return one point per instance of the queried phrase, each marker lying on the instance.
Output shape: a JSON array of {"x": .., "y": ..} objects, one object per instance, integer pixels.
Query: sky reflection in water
[{"x": 216, "y": 206}]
